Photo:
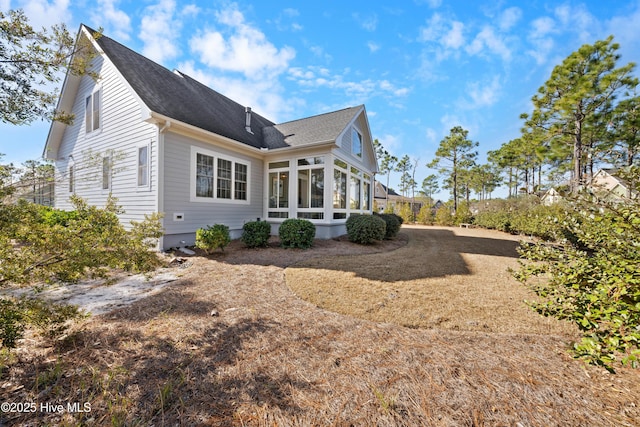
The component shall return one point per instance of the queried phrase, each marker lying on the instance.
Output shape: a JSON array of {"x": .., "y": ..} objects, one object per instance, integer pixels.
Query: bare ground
[{"x": 270, "y": 358}]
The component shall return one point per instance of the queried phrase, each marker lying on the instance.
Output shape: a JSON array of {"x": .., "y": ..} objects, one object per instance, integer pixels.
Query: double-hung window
[
  {"x": 311, "y": 188},
  {"x": 107, "y": 170},
  {"x": 217, "y": 177},
  {"x": 92, "y": 110},
  {"x": 143, "y": 166},
  {"x": 278, "y": 189}
]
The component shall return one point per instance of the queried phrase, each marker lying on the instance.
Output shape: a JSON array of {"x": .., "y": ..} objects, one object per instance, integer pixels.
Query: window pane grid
[{"x": 204, "y": 175}]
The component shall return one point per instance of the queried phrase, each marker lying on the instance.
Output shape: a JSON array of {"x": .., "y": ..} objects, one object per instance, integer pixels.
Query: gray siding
[
  {"x": 123, "y": 131},
  {"x": 367, "y": 162},
  {"x": 177, "y": 190}
]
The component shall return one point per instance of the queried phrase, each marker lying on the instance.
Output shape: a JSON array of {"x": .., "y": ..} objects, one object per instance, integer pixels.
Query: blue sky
[{"x": 421, "y": 67}]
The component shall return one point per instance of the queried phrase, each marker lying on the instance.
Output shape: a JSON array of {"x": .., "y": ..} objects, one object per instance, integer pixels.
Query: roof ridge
[{"x": 321, "y": 114}]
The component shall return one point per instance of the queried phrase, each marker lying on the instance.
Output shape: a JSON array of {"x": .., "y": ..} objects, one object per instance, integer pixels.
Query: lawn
[{"x": 270, "y": 357}]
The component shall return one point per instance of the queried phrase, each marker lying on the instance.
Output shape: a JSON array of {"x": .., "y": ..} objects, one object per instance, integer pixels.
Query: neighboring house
[
  {"x": 159, "y": 141},
  {"x": 550, "y": 197},
  {"x": 395, "y": 199},
  {"x": 613, "y": 187},
  {"x": 40, "y": 193}
]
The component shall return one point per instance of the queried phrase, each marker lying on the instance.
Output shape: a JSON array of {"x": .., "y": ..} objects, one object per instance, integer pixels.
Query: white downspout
[{"x": 160, "y": 185}]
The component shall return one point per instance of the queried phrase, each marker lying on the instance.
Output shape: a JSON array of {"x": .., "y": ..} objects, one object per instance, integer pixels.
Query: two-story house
[{"x": 160, "y": 141}]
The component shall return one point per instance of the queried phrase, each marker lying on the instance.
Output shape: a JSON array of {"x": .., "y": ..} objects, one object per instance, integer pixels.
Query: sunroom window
[{"x": 311, "y": 188}]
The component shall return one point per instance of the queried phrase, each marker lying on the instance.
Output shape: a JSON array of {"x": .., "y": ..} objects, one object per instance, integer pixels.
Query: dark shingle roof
[
  {"x": 320, "y": 128},
  {"x": 178, "y": 96}
]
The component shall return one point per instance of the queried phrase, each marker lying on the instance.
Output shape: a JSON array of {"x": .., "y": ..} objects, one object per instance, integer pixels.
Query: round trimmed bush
[
  {"x": 255, "y": 234},
  {"x": 297, "y": 233},
  {"x": 365, "y": 229},
  {"x": 393, "y": 225},
  {"x": 212, "y": 238}
]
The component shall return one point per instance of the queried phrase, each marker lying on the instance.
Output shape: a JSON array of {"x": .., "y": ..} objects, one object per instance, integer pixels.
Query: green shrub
[
  {"x": 365, "y": 229},
  {"x": 495, "y": 220},
  {"x": 255, "y": 234},
  {"x": 426, "y": 216},
  {"x": 463, "y": 214},
  {"x": 405, "y": 214},
  {"x": 297, "y": 233},
  {"x": 58, "y": 217},
  {"x": 212, "y": 238},
  {"x": 392, "y": 225},
  {"x": 443, "y": 216}
]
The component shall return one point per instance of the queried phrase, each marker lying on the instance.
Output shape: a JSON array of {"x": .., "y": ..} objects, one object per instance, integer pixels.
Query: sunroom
[{"x": 324, "y": 188}]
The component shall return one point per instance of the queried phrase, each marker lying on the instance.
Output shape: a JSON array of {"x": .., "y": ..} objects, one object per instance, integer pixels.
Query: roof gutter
[{"x": 178, "y": 125}]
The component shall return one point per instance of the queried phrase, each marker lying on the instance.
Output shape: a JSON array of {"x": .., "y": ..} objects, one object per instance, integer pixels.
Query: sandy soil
[{"x": 229, "y": 343}]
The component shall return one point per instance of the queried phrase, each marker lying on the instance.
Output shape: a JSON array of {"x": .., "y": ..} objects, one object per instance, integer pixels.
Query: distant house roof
[
  {"x": 389, "y": 191},
  {"x": 180, "y": 97}
]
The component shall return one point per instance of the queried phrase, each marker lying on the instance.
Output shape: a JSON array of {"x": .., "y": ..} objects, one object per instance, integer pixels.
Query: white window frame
[
  {"x": 345, "y": 172},
  {"x": 318, "y": 163},
  {"x": 216, "y": 155},
  {"x": 107, "y": 171},
  {"x": 90, "y": 125},
  {"x": 147, "y": 175},
  {"x": 356, "y": 136},
  {"x": 71, "y": 173},
  {"x": 280, "y": 213}
]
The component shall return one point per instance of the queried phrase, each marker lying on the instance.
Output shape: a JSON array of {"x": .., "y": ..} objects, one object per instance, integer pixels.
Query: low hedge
[
  {"x": 365, "y": 229},
  {"x": 255, "y": 234},
  {"x": 297, "y": 233},
  {"x": 392, "y": 225}
]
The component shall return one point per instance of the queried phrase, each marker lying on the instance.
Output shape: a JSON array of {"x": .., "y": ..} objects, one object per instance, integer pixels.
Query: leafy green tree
[
  {"x": 625, "y": 125},
  {"x": 30, "y": 61},
  {"x": 429, "y": 186},
  {"x": 579, "y": 92},
  {"x": 404, "y": 167},
  {"x": 387, "y": 163},
  {"x": 454, "y": 155},
  {"x": 34, "y": 250},
  {"x": 592, "y": 278}
]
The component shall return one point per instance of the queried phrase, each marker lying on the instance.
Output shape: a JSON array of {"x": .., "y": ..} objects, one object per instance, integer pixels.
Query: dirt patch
[{"x": 270, "y": 358}]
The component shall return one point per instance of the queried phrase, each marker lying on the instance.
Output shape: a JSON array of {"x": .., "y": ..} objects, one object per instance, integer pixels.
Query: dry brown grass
[
  {"x": 270, "y": 358},
  {"x": 450, "y": 278}
]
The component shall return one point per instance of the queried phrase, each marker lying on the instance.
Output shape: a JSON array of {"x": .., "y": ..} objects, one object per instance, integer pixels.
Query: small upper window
[
  {"x": 92, "y": 112},
  {"x": 143, "y": 166},
  {"x": 356, "y": 143},
  {"x": 72, "y": 180},
  {"x": 106, "y": 171}
]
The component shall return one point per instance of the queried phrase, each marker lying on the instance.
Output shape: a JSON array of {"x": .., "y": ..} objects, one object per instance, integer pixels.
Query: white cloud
[
  {"x": 539, "y": 36},
  {"x": 265, "y": 97},
  {"x": 432, "y": 32},
  {"x": 430, "y": 135},
  {"x": 391, "y": 143},
  {"x": 359, "y": 91},
  {"x": 625, "y": 29},
  {"x": 578, "y": 20},
  {"x": 240, "y": 48},
  {"x": 286, "y": 20},
  {"x": 369, "y": 23},
  {"x": 487, "y": 41},
  {"x": 190, "y": 10},
  {"x": 509, "y": 18},
  {"x": 115, "y": 21},
  {"x": 484, "y": 94},
  {"x": 159, "y": 31},
  {"x": 373, "y": 47},
  {"x": 454, "y": 39},
  {"x": 42, "y": 13}
]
